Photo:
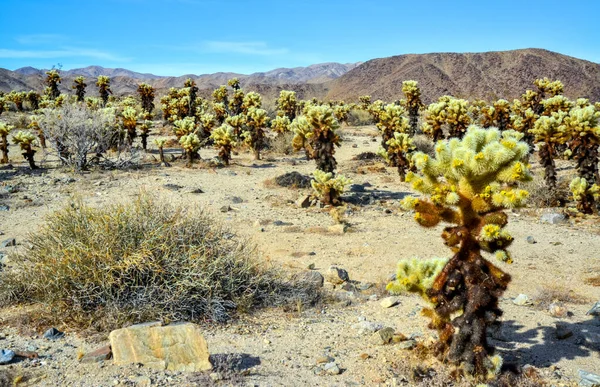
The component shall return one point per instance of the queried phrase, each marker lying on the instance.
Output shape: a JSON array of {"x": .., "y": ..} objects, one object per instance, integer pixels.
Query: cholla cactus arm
[
  {"x": 220, "y": 111},
  {"x": 236, "y": 102},
  {"x": 583, "y": 125},
  {"x": 549, "y": 131},
  {"x": 207, "y": 121},
  {"x": 400, "y": 148},
  {"x": 468, "y": 184},
  {"x": 364, "y": 102},
  {"x": 412, "y": 92},
  {"x": 251, "y": 100},
  {"x": 160, "y": 144},
  {"x": 456, "y": 116},
  {"x": 234, "y": 83},
  {"x": 221, "y": 95},
  {"x": 129, "y": 116},
  {"x": 280, "y": 124},
  {"x": 416, "y": 275},
  {"x": 224, "y": 140},
  {"x": 435, "y": 117},
  {"x": 548, "y": 87},
  {"x": 190, "y": 144},
  {"x": 390, "y": 120},
  {"x": 146, "y": 93},
  {"x": 556, "y": 104},
  {"x": 5, "y": 129},
  {"x": 302, "y": 132},
  {"x": 328, "y": 188},
  {"x": 287, "y": 104},
  {"x": 184, "y": 127},
  {"x": 3, "y": 104},
  {"x": 341, "y": 113},
  {"x": 586, "y": 195},
  {"x": 26, "y": 141},
  {"x": 323, "y": 137}
]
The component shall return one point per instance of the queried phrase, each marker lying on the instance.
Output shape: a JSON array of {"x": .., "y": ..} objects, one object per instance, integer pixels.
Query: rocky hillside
[{"x": 487, "y": 75}]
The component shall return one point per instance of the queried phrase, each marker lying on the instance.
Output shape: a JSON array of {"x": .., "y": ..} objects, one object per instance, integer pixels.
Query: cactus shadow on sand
[
  {"x": 541, "y": 346},
  {"x": 372, "y": 196}
]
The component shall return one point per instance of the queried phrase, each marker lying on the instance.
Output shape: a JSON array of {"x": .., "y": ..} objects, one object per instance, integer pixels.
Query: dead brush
[
  {"x": 548, "y": 294},
  {"x": 146, "y": 260},
  {"x": 540, "y": 196}
]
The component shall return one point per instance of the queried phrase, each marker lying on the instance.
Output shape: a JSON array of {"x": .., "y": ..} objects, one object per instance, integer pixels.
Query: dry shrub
[
  {"x": 553, "y": 293},
  {"x": 593, "y": 281},
  {"x": 541, "y": 196},
  {"x": 146, "y": 260},
  {"x": 424, "y": 144},
  {"x": 359, "y": 117},
  {"x": 281, "y": 144},
  {"x": 293, "y": 180}
]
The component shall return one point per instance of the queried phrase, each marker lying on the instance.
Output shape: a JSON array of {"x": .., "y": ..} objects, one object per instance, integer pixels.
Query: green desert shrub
[{"x": 145, "y": 260}]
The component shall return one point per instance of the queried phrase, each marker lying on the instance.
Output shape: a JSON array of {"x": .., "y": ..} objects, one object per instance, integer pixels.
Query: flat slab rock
[{"x": 176, "y": 347}]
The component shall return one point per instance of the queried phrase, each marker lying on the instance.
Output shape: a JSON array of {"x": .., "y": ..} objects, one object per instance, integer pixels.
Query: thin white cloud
[
  {"x": 66, "y": 52},
  {"x": 249, "y": 48},
  {"x": 40, "y": 39}
]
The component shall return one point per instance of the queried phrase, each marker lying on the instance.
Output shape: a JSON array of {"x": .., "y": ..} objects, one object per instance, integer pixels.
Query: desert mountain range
[{"x": 500, "y": 74}]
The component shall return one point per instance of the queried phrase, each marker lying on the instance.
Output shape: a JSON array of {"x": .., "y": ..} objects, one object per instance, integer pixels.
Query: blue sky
[{"x": 176, "y": 37}]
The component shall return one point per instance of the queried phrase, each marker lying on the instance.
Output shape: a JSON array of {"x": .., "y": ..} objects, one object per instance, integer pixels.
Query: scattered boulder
[
  {"x": 173, "y": 187},
  {"x": 325, "y": 359},
  {"x": 558, "y": 310},
  {"x": 383, "y": 336},
  {"x": 563, "y": 331},
  {"x": 408, "y": 344},
  {"x": 531, "y": 240},
  {"x": 236, "y": 200},
  {"x": 6, "y": 356},
  {"x": 196, "y": 191},
  {"x": 293, "y": 180},
  {"x": 53, "y": 334},
  {"x": 357, "y": 188},
  {"x": 588, "y": 379},
  {"x": 4, "y": 208},
  {"x": 177, "y": 347},
  {"x": 522, "y": 300},
  {"x": 98, "y": 355},
  {"x": 336, "y": 275},
  {"x": 365, "y": 327},
  {"x": 331, "y": 369},
  {"x": 595, "y": 311},
  {"x": 553, "y": 218},
  {"x": 311, "y": 277},
  {"x": 9, "y": 242},
  {"x": 304, "y": 201},
  {"x": 388, "y": 302},
  {"x": 338, "y": 229},
  {"x": 225, "y": 209}
]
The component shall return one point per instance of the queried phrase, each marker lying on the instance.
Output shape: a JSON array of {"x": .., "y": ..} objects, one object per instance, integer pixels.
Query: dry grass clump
[
  {"x": 146, "y": 260},
  {"x": 540, "y": 196},
  {"x": 358, "y": 117},
  {"x": 593, "y": 281},
  {"x": 552, "y": 293},
  {"x": 424, "y": 144},
  {"x": 281, "y": 144}
]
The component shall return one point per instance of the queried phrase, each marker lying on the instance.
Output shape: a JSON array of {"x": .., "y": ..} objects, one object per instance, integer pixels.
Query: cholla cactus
[
  {"x": 129, "y": 117},
  {"x": 583, "y": 124},
  {"x": 191, "y": 90},
  {"x": 556, "y": 104},
  {"x": 237, "y": 123},
  {"x": 413, "y": 104},
  {"x": 16, "y": 97},
  {"x": 236, "y": 102},
  {"x": 435, "y": 117},
  {"x": 79, "y": 86},
  {"x": 364, "y": 102},
  {"x": 341, "y": 112},
  {"x": 220, "y": 111},
  {"x": 391, "y": 120},
  {"x": 25, "y": 141},
  {"x": 497, "y": 115},
  {"x": 145, "y": 133},
  {"x": 548, "y": 132},
  {"x": 399, "y": 148},
  {"x": 469, "y": 183},
  {"x": 52, "y": 81},
  {"x": 280, "y": 125},
  {"x": 224, "y": 140},
  {"x": 191, "y": 145},
  {"x": 104, "y": 90},
  {"x": 220, "y": 95},
  {"x": 207, "y": 123},
  {"x": 302, "y": 132},
  {"x": 4, "y": 131},
  {"x": 3, "y": 106},
  {"x": 523, "y": 120},
  {"x": 287, "y": 104},
  {"x": 34, "y": 100},
  {"x": 549, "y": 87},
  {"x": 251, "y": 100},
  {"x": 93, "y": 103},
  {"x": 323, "y": 137},
  {"x": 34, "y": 124},
  {"x": 328, "y": 189},
  {"x": 234, "y": 83},
  {"x": 184, "y": 127},
  {"x": 160, "y": 144},
  {"x": 146, "y": 93},
  {"x": 587, "y": 196},
  {"x": 456, "y": 116},
  {"x": 256, "y": 120}
]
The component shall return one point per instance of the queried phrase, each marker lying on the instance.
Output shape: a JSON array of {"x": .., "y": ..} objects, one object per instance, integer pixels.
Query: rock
[
  {"x": 563, "y": 331},
  {"x": 26, "y": 354},
  {"x": 225, "y": 209},
  {"x": 336, "y": 275},
  {"x": 373, "y": 297},
  {"x": 553, "y": 218},
  {"x": 173, "y": 187},
  {"x": 388, "y": 302},
  {"x": 311, "y": 266},
  {"x": 304, "y": 201},
  {"x": 354, "y": 145},
  {"x": 236, "y": 200},
  {"x": 349, "y": 287},
  {"x": 293, "y": 180},
  {"x": 383, "y": 336},
  {"x": 141, "y": 381},
  {"x": 6, "y": 356},
  {"x": 588, "y": 379},
  {"x": 97, "y": 355},
  {"x": 331, "y": 369},
  {"x": 312, "y": 277},
  {"x": 9, "y": 242},
  {"x": 357, "y": 188},
  {"x": 591, "y": 336},
  {"x": 325, "y": 359},
  {"x": 4, "y": 208},
  {"x": 53, "y": 334},
  {"x": 338, "y": 229},
  {"x": 408, "y": 344},
  {"x": 365, "y": 327},
  {"x": 364, "y": 286},
  {"x": 399, "y": 337},
  {"x": 595, "y": 311},
  {"x": 522, "y": 299},
  {"x": 364, "y": 356},
  {"x": 176, "y": 347},
  {"x": 531, "y": 240},
  {"x": 196, "y": 191},
  {"x": 558, "y": 310}
]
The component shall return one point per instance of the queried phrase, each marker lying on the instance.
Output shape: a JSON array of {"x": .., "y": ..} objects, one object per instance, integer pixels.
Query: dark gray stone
[{"x": 53, "y": 334}]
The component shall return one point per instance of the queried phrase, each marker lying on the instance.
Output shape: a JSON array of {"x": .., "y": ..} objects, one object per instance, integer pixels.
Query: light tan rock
[{"x": 177, "y": 347}]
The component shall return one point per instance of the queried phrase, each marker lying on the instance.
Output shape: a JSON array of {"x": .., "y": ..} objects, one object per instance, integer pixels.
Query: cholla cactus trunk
[
  {"x": 386, "y": 135},
  {"x": 546, "y": 153},
  {"x": 257, "y": 141},
  {"x": 4, "y": 149},
  {"x": 323, "y": 150},
  {"x": 413, "y": 119},
  {"x": 34, "y": 100},
  {"x": 80, "y": 92},
  {"x": 586, "y": 154},
  {"x": 225, "y": 153},
  {"x": 403, "y": 165}
]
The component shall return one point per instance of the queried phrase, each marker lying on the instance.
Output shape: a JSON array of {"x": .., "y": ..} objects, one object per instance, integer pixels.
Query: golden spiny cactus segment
[
  {"x": 587, "y": 195},
  {"x": 224, "y": 140},
  {"x": 328, "y": 188},
  {"x": 467, "y": 184},
  {"x": 416, "y": 275}
]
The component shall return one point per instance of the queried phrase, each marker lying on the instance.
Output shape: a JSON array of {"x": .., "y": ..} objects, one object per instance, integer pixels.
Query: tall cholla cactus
[
  {"x": 364, "y": 102},
  {"x": 145, "y": 133},
  {"x": 548, "y": 132},
  {"x": 236, "y": 102},
  {"x": 251, "y": 100},
  {"x": 52, "y": 81},
  {"x": 256, "y": 120},
  {"x": 221, "y": 95},
  {"x": 34, "y": 124},
  {"x": 25, "y": 141},
  {"x": 328, "y": 189},
  {"x": 220, "y": 111},
  {"x": 341, "y": 112},
  {"x": 34, "y": 100},
  {"x": 322, "y": 137},
  {"x": 184, "y": 127},
  {"x": 456, "y": 116},
  {"x": 160, "y": 144},
  {"x": 583, "y": 124},
  {"x": 129, "y": 117},
  {"x": 497, "y": 115},
  {"x": 79, "y": 86},
  {"x": 556, "y": 104},
  {"x": 4, "y": 131},
  {"x": 192, "y": 92},
  {"x": 104, "y": 90},
  {"x": 413, "y": 104},
  {"x": 234, "y": 83},
  {"x": 586, "y": 195},
  {"x": 435, "y": 117},
  {"x": 302, "y": 132},
  {"x": 191, "y": 145},
  {"x": 17, "y": 97},
  {"x": 548, "y": 87},
  {"x": 237, "y": 123},
  {"x": 287, "y": 104},
  {"x": 400, "y": 148},
  {"x": 224, "y": 140},
  {"x": 469, "y": 183},
  {"x": 3, "y": 102},
  {"x": 146, "y": 93},
  {"x": 389, "y": 121},
  {"x": 523, "y": 119},
  {"x": 207, "y": 123},
  {"x": 280, "y": 125}
]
